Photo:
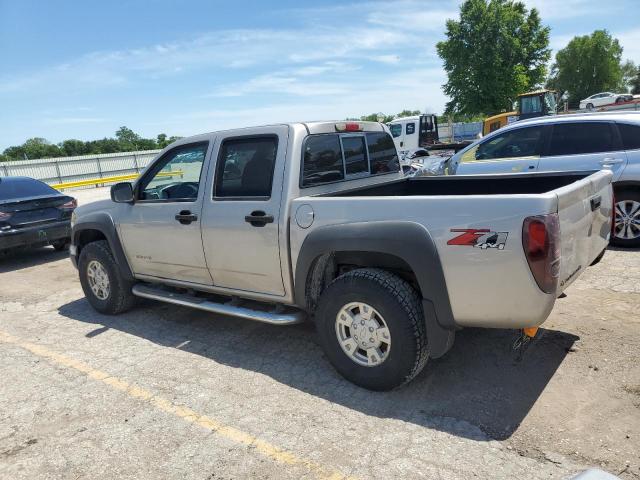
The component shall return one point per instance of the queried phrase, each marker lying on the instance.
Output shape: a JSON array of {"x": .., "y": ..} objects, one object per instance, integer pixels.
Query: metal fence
[{"x": 84, "y": 167}]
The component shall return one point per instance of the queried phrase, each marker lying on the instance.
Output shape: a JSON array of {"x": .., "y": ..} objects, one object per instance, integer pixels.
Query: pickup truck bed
[{"x": 507, "y": 184}]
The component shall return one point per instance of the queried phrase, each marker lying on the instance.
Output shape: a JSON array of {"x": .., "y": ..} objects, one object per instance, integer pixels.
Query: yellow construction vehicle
[{"x": 529, "y": 105}]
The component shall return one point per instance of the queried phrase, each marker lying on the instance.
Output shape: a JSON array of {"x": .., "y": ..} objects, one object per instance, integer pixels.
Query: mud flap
[{"x": 440, "y": 339}]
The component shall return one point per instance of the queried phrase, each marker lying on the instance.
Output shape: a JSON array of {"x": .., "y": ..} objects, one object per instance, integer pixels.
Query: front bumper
[{"x": 32, "y": 236}]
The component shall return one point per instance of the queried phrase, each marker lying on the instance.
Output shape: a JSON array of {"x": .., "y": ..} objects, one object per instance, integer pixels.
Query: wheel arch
[
  {"x": 99, "y": 226},
  {"x": 405, "y": 248}
]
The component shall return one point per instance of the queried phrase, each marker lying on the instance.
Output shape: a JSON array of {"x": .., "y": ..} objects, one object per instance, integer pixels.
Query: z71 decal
[{"x": 479, "y": 237}]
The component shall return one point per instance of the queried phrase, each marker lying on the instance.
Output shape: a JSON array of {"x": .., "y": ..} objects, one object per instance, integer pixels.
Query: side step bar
[{"x": 275, "y": 317}]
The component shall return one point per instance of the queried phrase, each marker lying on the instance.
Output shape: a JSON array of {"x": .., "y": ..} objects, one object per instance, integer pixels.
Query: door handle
[
  {"x": 611, "y": 161},
  {"x": 595, "y": 203},
  {"x": 532, "y": 167},
  {"x": 185, "y": 217},
  {"x": 258, "y": 218}
]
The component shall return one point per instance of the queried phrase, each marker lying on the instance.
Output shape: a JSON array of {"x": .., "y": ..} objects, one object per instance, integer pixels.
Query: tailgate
[{"x": 584, "y": 211}]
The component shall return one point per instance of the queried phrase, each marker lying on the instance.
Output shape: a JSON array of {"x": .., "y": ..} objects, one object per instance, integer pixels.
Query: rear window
[
  {"x": 630, "y": 136},
  {"x": 332, "y": 157},
  {"x": 18, "y": 188},
  {"x": 581, "y": 138}
]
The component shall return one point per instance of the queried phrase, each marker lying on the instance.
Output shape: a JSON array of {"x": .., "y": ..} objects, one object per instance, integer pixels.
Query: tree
[
  {"x": 408, "y": 113},
  {"x": 496, "y": 51},
  {"x": 629, "y": 72},
  {"x": 635, "y": 83},
  {"x": 127, "y": 138},
  {"x": 588, "y": 64}
]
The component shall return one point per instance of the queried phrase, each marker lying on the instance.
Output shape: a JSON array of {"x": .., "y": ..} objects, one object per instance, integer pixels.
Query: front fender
[{"x": 103, "y": 223}]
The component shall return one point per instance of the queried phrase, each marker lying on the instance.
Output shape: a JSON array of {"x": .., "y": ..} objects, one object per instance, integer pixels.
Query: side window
[
  {"x": 522, "y": 142},
  {"x": 322, "y": 160},
  {"x": 630, "y": 136},
  {"x": 411, "y": 128},
  {"x": 396, "y": 130},
  {"x": 176, "y": 177},
  {"x": 245, "y": 167},
  {"x": 581, "y": 138},
  {"x": 355, "y": 155},
  {"x": 382, "y": 153}
]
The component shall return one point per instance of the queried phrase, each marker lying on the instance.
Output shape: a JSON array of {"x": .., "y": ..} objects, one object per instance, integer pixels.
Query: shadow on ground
[
  {"x": 479, "y": 382},
  {"x": 28, "y": 257}
]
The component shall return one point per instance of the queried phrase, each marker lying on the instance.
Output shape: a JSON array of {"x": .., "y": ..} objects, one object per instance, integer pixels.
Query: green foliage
[
  {"x": 494, "y": 52},
  {"x": 588, "y": 64},
  {"x": 374, "y": 117},
  {"x": 629, "y": 74},
  {"x": 635, "y": 83},
  {"x": 126, "y": 140}
]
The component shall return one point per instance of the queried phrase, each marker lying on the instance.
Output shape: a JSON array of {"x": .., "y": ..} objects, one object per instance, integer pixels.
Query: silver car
[{"x": 590, "y": 141}]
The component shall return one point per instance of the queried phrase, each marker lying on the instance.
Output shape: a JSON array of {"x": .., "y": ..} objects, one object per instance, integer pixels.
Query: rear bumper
[{"x": 40, "y": 235}]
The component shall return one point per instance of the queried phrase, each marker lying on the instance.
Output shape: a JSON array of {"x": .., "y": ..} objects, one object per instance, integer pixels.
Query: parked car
[
  {"x": 568, "y": 143},
  {"x": 604, "y": 98},
  {"x": 317, "y": 219},
  {"x": 33, "y": 214}
]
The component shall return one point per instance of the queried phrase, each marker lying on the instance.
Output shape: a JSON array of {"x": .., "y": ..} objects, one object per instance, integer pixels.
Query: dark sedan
[{"x": 33, "y": 214}]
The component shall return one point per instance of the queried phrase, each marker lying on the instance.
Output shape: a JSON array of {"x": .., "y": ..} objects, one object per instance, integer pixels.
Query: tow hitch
[{"x": 523, "y": 341}]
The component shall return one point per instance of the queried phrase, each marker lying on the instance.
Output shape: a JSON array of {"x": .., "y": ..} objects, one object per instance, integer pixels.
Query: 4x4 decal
[{"x": 479, "y": 237}]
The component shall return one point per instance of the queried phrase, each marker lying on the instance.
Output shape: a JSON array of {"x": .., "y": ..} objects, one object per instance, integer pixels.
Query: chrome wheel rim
[
  {"x": 363, "y": 334},
  {"x": 627, "y": 224},
  {"x": 98, "y": 279}
]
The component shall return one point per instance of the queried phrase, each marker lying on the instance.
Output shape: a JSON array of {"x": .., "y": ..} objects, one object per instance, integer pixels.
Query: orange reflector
[
  {"x": 349, "y": 127},
  {"x": 530, "y": 332}
]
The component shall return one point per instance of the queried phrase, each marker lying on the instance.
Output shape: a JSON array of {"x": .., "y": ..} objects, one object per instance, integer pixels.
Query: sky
[{"x": 83, "y": 68}]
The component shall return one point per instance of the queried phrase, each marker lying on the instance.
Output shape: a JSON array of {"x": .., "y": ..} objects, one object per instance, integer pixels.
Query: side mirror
[{"x": 122, "y": 193}]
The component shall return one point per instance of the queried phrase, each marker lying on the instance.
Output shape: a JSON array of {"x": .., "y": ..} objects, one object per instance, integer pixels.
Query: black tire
[
  {"x": 119, "y": 298},
  {"x": 621, "y": 196},
  {"x": 61, "y": 245},
  {"x": 400, "y": 306},
  {"x": 589, "y": 106},
  {"x": 620, "y": 100}
]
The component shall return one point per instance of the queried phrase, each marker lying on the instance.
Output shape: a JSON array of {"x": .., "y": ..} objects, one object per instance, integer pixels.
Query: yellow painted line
[
  {"x": 114, "y": 179},
  {"x": 276, "y": 454}
]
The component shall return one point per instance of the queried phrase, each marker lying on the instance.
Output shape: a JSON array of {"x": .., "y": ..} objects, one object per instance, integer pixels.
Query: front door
[
  {"x": 161, "y": 229},
  {"x": 583, "y": 146},
  {"x": 513, "y": 151},
  {"x": 241, "y": 224}
]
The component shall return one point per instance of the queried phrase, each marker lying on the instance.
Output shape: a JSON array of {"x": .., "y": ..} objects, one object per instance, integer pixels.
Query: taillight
[
  {"x": 541, "y": 242},
  {"x": 70, "y": 205}
]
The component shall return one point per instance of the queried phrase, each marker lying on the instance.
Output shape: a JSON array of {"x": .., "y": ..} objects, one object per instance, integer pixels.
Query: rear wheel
[
  {"x": 372, "y": 329},
  {"x": 61, "y": 244},
  {"x": 104, "y": 287},
  {"x": 626, "y": 231}
]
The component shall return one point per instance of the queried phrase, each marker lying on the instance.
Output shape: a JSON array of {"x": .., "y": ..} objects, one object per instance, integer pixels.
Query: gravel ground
[{"x": 168, "y": 392}]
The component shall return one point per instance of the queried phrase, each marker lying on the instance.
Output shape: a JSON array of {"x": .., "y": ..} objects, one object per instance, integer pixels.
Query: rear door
[
  {"x": 516, "y": 150},
  {"x": 587, "y": 145},
  {"x": 584, "y": 212},
  {"x": 241, "y": 217}
]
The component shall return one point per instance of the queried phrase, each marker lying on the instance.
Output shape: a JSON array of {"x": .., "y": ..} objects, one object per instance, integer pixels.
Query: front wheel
[
  {"x": 626, "y": 231},
  {"x": 103, "y": 286},
  {"x": 589, "y": 106},
  {"x": 371, "y": 326}
]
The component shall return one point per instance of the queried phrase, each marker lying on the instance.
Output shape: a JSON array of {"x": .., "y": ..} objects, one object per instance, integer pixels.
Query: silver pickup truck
[{"x": 315, "y": 220}]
